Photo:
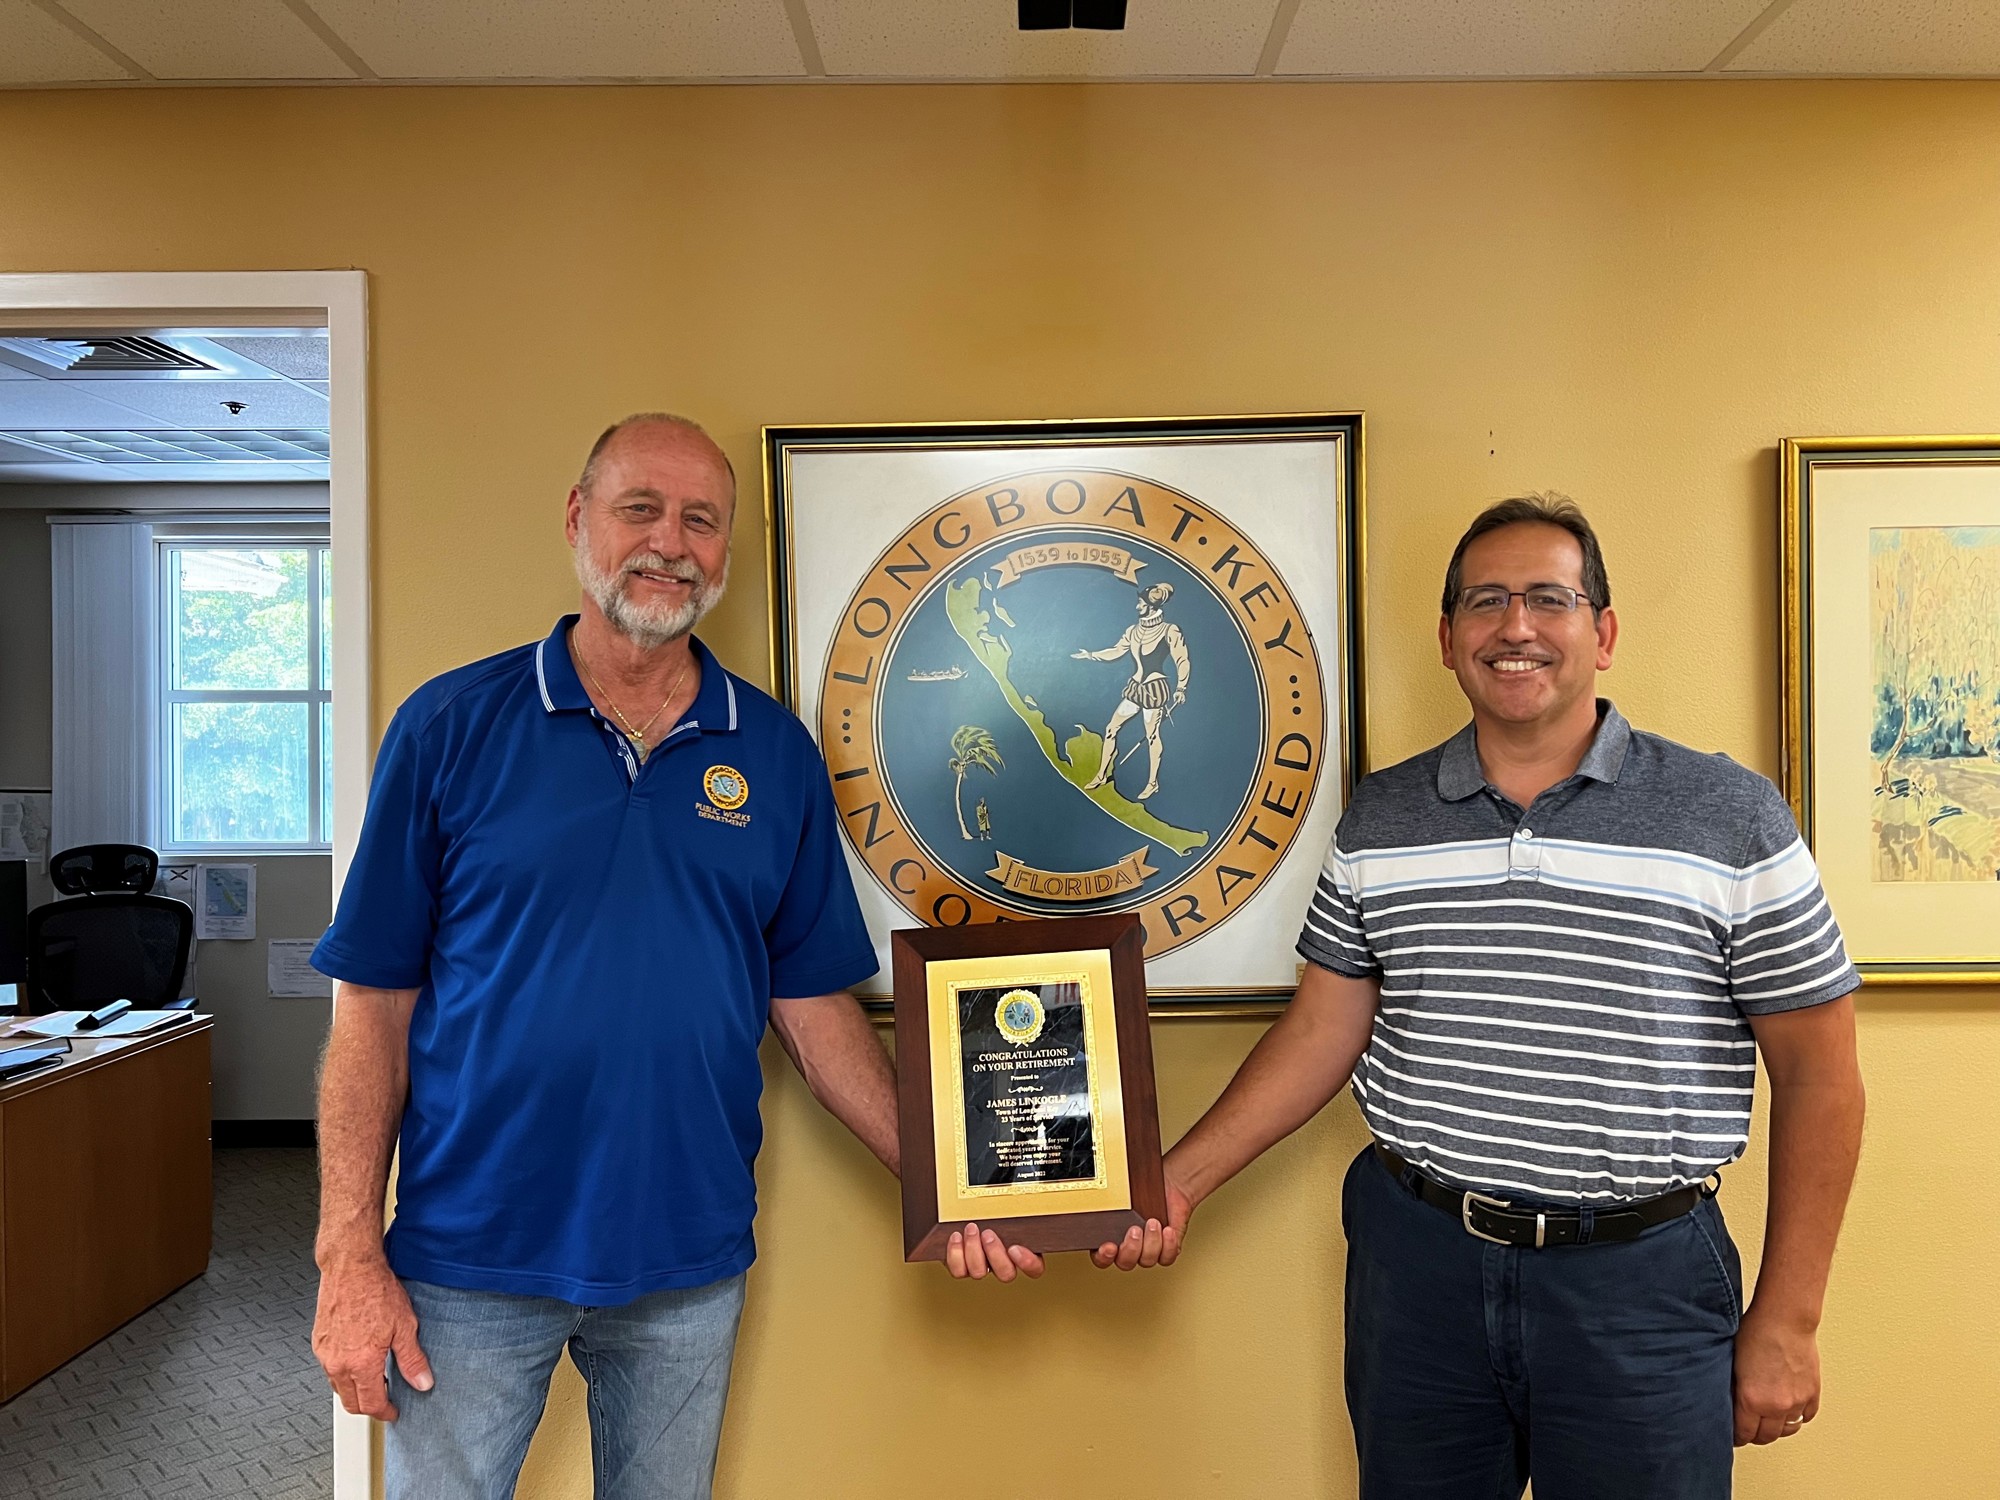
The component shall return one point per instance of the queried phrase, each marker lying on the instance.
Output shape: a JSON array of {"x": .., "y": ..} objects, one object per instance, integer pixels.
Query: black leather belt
[{"x": 1489, "y": 1218}]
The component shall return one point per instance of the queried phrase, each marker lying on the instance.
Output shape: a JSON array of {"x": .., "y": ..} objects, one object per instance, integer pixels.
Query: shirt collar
[
  {"x": 1460, "y": 775},
  {"x": 1606, "y": 756},
  {"x": 712, "y": 712}
]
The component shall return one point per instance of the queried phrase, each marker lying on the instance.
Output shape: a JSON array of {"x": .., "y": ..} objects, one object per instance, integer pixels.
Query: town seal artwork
[{"x": 1073, "y": 690}]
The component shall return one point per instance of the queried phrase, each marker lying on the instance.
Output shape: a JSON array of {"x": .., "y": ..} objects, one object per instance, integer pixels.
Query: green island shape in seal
[{"x": 1079, "y": 758}]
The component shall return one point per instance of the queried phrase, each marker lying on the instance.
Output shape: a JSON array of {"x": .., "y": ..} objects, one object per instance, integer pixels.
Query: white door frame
[{"x": 129, "y": 300}]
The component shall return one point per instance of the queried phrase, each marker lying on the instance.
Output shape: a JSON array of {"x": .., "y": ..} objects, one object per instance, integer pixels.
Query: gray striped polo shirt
[{"x": 1564, "y": 990}]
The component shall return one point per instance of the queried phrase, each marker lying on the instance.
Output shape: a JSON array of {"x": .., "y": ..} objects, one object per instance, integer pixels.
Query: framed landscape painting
[
  {"x": 1080, "y": 668},
  {"x": 1892, "y": 694}
]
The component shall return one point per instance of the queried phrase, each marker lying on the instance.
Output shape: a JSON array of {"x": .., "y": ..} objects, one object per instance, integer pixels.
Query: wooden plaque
[{"x": 1025, "y": 1076}]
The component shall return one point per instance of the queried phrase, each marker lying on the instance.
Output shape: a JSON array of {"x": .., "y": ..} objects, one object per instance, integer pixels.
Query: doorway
[{"x": 252, "y": 310}]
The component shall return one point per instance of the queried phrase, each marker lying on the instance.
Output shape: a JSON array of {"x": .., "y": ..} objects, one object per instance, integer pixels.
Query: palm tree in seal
[{"x": 971, "y": 747}]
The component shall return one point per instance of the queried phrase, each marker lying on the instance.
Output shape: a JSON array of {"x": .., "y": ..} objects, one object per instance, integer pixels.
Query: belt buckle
[{"x": 1465, "y": 1216}]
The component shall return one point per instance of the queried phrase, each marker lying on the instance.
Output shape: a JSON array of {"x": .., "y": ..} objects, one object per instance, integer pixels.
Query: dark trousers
[{"x": 1601, "y": 1371}]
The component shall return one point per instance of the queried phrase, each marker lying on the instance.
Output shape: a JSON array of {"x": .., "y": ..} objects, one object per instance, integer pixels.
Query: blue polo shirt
[{"x": 595, "y": 943}]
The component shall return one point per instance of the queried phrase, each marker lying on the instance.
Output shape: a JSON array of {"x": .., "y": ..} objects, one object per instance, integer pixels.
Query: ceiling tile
[
  {"x": 1499, "y": 38},
  {"x": 300, "y": 358},
  {"x": 568, "y": 38},
  {"x": 1959, "y": 37},
  {"x": 198, "y": 403},
  {"x": 211, "y": 38},
  {"x": 35, "y": 49},
  {"x": 12, "y": 452},
  {"x": 930, "y": 39},
  {"x": 63, "y": 404}
]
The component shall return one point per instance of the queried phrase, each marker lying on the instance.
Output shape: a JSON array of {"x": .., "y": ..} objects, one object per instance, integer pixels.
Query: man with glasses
[{"x": 1545, "y": 954}]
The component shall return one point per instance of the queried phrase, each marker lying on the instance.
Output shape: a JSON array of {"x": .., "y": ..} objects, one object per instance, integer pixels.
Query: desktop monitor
[{"x": 13, "y": 921}]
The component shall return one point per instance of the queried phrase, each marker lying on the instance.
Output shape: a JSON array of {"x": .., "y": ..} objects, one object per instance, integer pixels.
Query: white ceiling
[
  {"x": 36, "y": 48},
  {"x": 57, "y": 42},
  {"x": 1858, "y": 35},
  {"x": 1535, "y": 38},
  {"x": 979, "y": 39},
  {"x": 83, "y": 426},
  {"x": 565, "y": 38},
  {"x": 186, "y": 39}
]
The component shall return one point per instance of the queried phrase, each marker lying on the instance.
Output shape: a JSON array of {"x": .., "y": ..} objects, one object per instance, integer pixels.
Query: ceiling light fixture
[{"x": 1062, "y": 15}]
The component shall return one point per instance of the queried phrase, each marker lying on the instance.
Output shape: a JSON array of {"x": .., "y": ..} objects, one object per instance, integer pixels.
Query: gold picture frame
[
  {"x": 996, "y": 564},
  {"x": 1892, "y": 710}
]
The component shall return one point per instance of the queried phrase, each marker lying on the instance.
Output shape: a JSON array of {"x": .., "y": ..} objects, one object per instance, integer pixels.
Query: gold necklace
[{"x": 636, "y": 736}]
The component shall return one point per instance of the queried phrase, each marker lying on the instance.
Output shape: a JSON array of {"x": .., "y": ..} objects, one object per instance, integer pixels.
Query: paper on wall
[
  {"x": 24, "y": 826},
  {"x": 288, "y": 966},
  {"x": 225, "y": 901}
]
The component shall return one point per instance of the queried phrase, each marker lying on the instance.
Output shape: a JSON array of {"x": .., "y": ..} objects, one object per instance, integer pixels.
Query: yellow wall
[{"x": 1626, "y": 291}]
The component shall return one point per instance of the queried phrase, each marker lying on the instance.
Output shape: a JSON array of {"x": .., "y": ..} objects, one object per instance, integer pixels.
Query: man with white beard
[{"x": 592, "y": 870}]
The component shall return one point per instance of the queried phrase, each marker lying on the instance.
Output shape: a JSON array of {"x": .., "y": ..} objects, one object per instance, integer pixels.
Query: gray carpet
[{"x": 212, "y": 1392}]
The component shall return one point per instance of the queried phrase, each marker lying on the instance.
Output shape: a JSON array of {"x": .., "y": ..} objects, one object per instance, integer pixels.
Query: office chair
[{"x": 113, "y": 941}]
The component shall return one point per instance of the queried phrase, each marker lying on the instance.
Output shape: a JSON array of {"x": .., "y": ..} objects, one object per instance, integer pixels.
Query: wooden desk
[{"x": 105, "y": 1193}]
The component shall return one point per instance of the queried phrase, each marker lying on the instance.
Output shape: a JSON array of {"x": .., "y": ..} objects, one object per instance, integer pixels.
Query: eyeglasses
[{"x": 1489, "y": 599}]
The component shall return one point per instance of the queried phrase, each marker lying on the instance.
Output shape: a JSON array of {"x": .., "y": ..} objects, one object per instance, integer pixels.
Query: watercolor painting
[{"x": 1935, "y": 730}]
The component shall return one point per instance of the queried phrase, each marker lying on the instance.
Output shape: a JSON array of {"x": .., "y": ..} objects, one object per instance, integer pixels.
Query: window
[{"x": 245, "y": 750}]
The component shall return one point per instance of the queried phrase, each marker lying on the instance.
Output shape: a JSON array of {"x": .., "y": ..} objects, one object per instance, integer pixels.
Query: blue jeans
[
  {"x": 1599, "y": 1370},
  {"x": 657, "y": 1369}
]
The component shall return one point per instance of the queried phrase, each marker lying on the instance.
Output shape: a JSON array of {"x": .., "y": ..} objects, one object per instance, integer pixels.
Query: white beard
[{"x": 649, "y": 626}]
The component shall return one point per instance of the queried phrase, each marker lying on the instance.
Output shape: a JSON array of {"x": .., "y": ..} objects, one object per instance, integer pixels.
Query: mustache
[{"x": 652, "y": 562}]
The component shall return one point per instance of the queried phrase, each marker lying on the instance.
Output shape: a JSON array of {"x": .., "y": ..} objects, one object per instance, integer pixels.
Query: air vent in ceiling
[{"x": 126, "y": 354}]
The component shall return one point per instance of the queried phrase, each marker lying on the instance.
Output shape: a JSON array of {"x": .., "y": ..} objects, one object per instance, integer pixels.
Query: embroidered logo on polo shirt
[{"x": 727, "y": 789}]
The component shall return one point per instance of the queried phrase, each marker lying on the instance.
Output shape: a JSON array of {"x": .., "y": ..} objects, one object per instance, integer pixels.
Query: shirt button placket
[{"x": 1524, "y": 855}]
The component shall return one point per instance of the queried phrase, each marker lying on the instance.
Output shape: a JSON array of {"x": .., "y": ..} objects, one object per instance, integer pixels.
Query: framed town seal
[{"x": 1084, "y": 668}]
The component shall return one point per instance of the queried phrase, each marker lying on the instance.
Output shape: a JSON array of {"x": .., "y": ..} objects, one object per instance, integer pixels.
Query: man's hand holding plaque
[
  {"x": 1151, "y": 1243},
  {"x": 972, "y": 1252},
  {"x": 1294, "y": 1071}
]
